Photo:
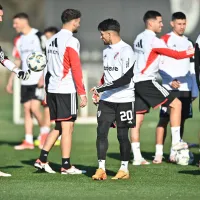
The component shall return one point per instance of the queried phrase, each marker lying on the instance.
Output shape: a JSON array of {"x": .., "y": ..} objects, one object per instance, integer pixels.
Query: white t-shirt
[
  {"x": 182, "y": 70},
  {"x": 25, "y": 45}
]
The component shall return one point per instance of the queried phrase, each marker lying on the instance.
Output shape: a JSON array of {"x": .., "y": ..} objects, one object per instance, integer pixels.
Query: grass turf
[{"x": 166, "y": 181}]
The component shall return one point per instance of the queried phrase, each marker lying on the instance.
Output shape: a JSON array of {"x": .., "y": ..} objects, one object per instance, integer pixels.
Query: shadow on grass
[
  {"x": 90, "y": 170},
  {"x": 11, "y": 167},
  {"x": 9, "y": 143},
  {"x": 191, "y": 172}
]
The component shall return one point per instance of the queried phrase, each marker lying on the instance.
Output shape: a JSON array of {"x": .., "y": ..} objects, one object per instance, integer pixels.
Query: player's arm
[
  {"x": 128, "y": 61},
  {"x": 72, "y": 52},
  {"x": 12, "y": 67},
  {"x": 159, "y": 47}
]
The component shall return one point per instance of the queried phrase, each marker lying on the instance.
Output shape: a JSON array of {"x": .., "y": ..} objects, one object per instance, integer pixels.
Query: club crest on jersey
[
  {"x": 98, "y": 113},
  {"x": 116, "y": 55}
]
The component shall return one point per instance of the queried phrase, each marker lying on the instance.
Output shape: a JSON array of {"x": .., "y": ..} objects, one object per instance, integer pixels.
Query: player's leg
[
  {"x": 41, "y": 162},
  {"x": 141, "y": 109},
  {"x": 105, "y": 117},
  {"x": 28, "y": 126},
  {"x": 161, "y": 132},
  {"x": 156, "y": 95},
  {"x": 44, "y": 129},
  {"x": 175, "y": 122},
  {"x": 125, "y": 118},
  {"x": 47, "y": 125}
]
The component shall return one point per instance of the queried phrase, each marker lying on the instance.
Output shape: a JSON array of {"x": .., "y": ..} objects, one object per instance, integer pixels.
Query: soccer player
[
  {"x": 63, "y": 82},
  {"x": 149, "y": 93},
  {"x": 48, "y": 33},
  {"x": 181, "y": 81},
  {"x": 12, "y": 67},
  {"x": 118, "y": 104},
  {"x": 28, "y": 42}
]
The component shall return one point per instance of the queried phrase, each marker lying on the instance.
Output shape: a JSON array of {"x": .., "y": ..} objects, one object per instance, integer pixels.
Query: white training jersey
[
  {"x": 25, "y": 45},
  {"x": 182, "y": 70},
  {"x": 148, "y": 48},
  {"x": 64, "y": 72},
  {"x": 117, "y": 60}
]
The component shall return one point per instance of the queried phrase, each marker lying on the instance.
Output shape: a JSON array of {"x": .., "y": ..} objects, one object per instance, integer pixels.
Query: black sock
[
  {"x": 66, "y": 163},
  {"x": 43, "y": 156}
]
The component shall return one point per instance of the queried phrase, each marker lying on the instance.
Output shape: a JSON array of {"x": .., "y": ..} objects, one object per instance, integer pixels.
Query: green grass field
[{"x": 166, "y": 181}]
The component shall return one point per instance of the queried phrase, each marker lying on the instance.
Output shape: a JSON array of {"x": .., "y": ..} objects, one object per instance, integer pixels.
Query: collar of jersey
[
  {"x": 67, "y": 31},
  {"x": 183, "y": 36},
  {"x": 150, "y": 32},
  {"x": 115, "y": 45}
]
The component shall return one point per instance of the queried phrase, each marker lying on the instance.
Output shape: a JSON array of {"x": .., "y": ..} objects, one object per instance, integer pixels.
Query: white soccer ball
[
  {"x": 184, "y": 157},
  {"x": 36, "y": 61}
]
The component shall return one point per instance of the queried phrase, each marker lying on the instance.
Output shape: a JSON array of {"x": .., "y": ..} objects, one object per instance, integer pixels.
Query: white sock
[
  {"x": 175, "y": 135},
  {"x": 159, "y": 149},
  {"x": 29, "y": 138},
  {"x": 136, "y": 150},
  {"x": 44, "y": 130},
  {"x": 124, "y": 166},
  {"x": 102, "y": 164}
]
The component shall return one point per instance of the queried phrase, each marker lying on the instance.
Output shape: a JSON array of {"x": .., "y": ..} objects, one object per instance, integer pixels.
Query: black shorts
[
  {"x": 62, "y": 107},
  {"x": 151, "y": 94},
  {"x": 186, "y": 99},
  {"x": 122, "y": 113},
  {"x": 30, "y": 92}
]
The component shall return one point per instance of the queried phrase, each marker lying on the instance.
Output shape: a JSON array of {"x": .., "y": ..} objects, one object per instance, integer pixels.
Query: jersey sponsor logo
[
  {"x": 52, "y": 51},
  {"x": 107, "y": 68},
  {"x": 116, "y": 55}
]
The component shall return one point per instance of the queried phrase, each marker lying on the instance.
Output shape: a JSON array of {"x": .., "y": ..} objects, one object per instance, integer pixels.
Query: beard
[{"x": 75, "y": 31}]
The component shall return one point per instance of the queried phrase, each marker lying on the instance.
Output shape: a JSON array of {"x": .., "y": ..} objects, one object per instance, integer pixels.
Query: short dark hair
[
  {"x": 109, "y": 25},
  {"x": 151, "y": 14},
  {"x": 178, "y": 15},
  {"x": 51, "y": 29},
  {"x": 70, "y": 14},
  {"x": 1, "y": 7},
  {"x": 21, "y": 16}
]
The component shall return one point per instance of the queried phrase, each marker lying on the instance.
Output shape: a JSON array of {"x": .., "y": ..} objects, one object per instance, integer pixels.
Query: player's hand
[
  {"x": 9, "y": 88},
  {"x": 2, "y": 55},
  {"x": 24, "y": 75},
  {"x": 94, "y": 91},
  {"x": 175, "y": 84},
  {"x": 83, "y": 102},
  {"x": 95, "y": 99}
]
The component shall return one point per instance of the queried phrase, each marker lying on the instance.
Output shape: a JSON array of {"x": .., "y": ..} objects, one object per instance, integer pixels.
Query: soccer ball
[
  {"x": 36, "y": 61},
  {"x": 184, "y": 157}
]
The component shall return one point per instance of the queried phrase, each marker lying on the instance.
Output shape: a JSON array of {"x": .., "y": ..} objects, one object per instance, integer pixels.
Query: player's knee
[
  {"x": 122, "y": 135},
  {"x": 163, "y": 122},
  {"x": 176, "y": 104},
  {"x": 139, "y": 120},
  {"x": 102, "y": 130}
]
